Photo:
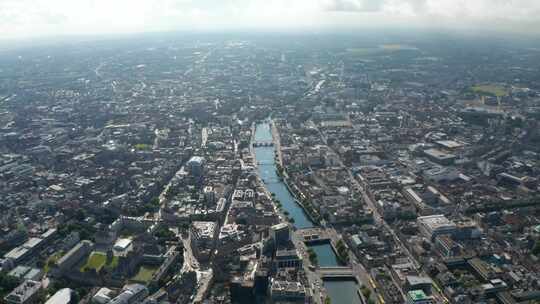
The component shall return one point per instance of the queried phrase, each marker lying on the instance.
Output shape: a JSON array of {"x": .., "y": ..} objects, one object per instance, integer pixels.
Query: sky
[{"x": 42, "y": 18}]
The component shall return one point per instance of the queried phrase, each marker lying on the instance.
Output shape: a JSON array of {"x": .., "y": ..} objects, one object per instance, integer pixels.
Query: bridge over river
[
  {"x": 263, "y": 143},
  {"x": 336, "y": 272}
]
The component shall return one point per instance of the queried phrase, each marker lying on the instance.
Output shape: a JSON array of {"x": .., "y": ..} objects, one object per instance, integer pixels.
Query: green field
[
  {"x": 98, "y": 260},
  {"x": 144, "y": 274},
  {"x": 397, "y": 47},
  {"x": 385, "y": 48},
  {"x": 363, "y": 51},
  {"x": 490, "y": 90},
  {"x": 143, "y": 147}
]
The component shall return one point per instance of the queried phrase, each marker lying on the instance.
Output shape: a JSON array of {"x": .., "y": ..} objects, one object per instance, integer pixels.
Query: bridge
[
  {"x": 263, "y": 143},
  {"x": 336, "y": 272}
]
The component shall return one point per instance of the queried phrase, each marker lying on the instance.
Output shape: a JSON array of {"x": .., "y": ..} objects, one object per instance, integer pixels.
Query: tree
[
  {"x": 7, "y": 283},
  {"x": 366, "y": 292},
  {"x": 327, "y": 300},
  {"x": 155, "y": 201},
  {"x": 80, "y": 215},
  {"x": 164, "y": 234},
  {"x": 313, "y": 257},
  {"x": 536, "y": 248},
  {"x": 343, "y": 252}
]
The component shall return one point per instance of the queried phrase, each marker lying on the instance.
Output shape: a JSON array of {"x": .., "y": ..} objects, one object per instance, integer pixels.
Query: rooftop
[
  {"x": 122, "y": 244},
  {"x": 435, "y": 221},
  {"x": 63, "y": 296},
  {"x": 417, "y": 295},
  {"x": 23, "y": 292}
]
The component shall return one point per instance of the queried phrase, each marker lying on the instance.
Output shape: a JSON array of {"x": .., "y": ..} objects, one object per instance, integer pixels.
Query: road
[
  {"x": 204, "y": 137},
  {"x": 315, "y": 281},
  {"x": 190, "y": 262},
  {"x": 380, "y": 221},
  {"x": 277, "y": 142}
]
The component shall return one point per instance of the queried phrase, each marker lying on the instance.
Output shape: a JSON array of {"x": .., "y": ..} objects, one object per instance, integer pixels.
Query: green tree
[
  {"x": 366, "y": 292},
  {"x": 7, "y": 283},
  {"x": 536, "y": 248},
  {"x": 164, "y": 234},
  {"x": 313, "y": 257},
  {"x": 155, "y": 201}
]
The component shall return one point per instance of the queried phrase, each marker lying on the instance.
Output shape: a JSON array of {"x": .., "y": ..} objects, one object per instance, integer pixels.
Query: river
[
  {"x": 340, "y": 291},
  {"x": 267, "y": 171},
  {"x": 326, "y": 255}
]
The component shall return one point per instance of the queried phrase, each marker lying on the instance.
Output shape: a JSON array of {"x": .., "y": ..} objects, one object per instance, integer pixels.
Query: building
[
  {"x": 449, "y": 144},
  {"x": 446, "y": 246},
  {"x": 63, "y": 296},
  {"x": 123, "y": 246},
  {"x": 203, "y": 238},
  {"x": 132, "y": 293},
  {"x": 433, "y": 225},
  {"x": 467, "y": 230},
  {"x": 26, "y": 273},
  {"x": 203, "y": 233},
  {"x": 287, "y": 291},
  {"x": 71, "y": 240},
  {"x": 6, "y": 264},
  {"x": 24, "y": 293},
  {"x": 418, "y": 283},
  {"x": 496, "y": 285},
  {"x": 509, "y": 179},
  {"x": 73, "y": 256},
  {"x": 195, "y": 166},
  {"x": 419, "y": 297},
  {"x": 483, "y": 269},
  {"x": 280, "y": 234},
  {"x": 19, "y": 253},
  {"x": 440, "y": 157},
  {"x": 103, "y": 296},
  {"x": 288, "y": 259},
  {"x": 209, "y": 194}
]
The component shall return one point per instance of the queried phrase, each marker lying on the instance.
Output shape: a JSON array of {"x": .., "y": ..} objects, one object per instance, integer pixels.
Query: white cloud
[
  {"x": 354, "y": 5},
  {"x": 20, "y": 18}
]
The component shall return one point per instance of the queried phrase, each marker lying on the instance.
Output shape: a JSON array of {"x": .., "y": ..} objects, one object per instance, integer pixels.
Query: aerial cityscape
[{"x": 328, "y": 168}]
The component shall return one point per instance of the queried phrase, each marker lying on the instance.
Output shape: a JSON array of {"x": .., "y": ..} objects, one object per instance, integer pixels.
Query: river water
[
  {"x": 340, "y": 291},
  {"x": 326, "y": 255},
  {"x": 267, "y": 171}
]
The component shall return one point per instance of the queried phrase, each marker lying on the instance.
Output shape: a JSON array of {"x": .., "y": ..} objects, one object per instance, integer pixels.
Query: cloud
[
  {"x": 354, "y": 5},
  {"x": 25, "y": 18}
]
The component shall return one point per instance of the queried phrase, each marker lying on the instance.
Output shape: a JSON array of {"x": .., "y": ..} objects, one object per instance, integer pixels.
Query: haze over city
[{"x": 35, "y": 18}]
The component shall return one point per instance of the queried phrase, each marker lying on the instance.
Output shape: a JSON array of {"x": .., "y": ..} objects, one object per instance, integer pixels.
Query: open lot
[
  {"x": 489, "y": 89},
  {"x": 98, "y": 260},
  {"x": 145, "y": 273}
]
